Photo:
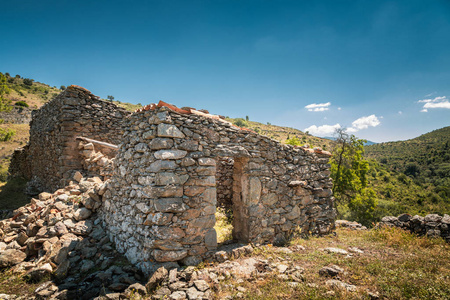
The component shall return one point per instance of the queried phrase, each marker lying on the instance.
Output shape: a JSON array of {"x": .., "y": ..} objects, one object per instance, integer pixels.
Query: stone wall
[
  {"x": 160, "y": 202},
  {"x": 432, "y": 225},
  {"x": 52, "y": 151},
  {"x": 224, "y": 181},
  {"x": 18, "y": 115}
]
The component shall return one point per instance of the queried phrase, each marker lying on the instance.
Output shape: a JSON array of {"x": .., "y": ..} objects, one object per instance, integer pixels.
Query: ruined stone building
[{"x": 171, "y": 168}]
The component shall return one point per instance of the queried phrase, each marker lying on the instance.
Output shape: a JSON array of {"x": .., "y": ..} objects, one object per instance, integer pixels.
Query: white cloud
[
  {"x": 324, "y": 130},
  {"x": 438, "y": 102},
  {"x": 339, "y": 108},
  {"x": 364, "y": 123},
  {"x": 318, "y": 106},
  {"x": 400, "y": 112},
  {"x": 357, "y": 125}
]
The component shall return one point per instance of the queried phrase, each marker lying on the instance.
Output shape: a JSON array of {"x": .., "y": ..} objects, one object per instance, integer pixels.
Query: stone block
[
  {"x": 161, "y": 143},
  {"x": 204, "y": 161},
  {"x": 166, "y": 178},
  {"x": 170, "y": 154},
  {"x": 189, "y": 145},
  {"x": 169, "y": 130},
  {"x": 174, "y": 205},
  {"x": 211, "y": 239},
  {"x": 269, "y": 199},
  {"x": 254, "y": 191}
]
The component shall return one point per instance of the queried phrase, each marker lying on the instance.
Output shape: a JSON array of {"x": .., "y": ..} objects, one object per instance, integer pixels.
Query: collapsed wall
[
  {"x": 51, "y": 154},
  {"x": 160, "y": 202}
]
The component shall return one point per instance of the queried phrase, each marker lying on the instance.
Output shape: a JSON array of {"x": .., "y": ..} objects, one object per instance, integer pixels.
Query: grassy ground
[
  {"x": 395, "y": 264},
  {"x": 16, "y": 284}
]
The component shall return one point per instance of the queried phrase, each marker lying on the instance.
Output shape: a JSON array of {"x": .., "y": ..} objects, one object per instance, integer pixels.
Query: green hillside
[{"x": 425, "y": 159}]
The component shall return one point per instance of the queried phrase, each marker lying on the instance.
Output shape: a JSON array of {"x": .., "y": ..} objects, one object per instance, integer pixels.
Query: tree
[
  {"x": 110, "y": 98},
  {"x": 63, "y": 87},
  {"x": 349, "y": 173},
  {"x": 28, "y": 81},
  {"x": 4, "y": 89},
  {"x": 246, "y": 118}
]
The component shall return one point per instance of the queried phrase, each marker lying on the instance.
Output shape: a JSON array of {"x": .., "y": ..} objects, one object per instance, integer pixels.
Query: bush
[
  {"x": 240, "y": 122},
  {"x": 6, "y": 134},
  {"x": 21, "y": 103},
  {"x": 294, "y": 141},
  {"x": 28, "y": 81}
]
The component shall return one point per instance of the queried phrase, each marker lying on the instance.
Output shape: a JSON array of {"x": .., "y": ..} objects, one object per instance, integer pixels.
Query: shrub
[
  {"x": 294, "y": 141},
  {"x": 6, "y": 134},
  {"x": 28, "y": 81},
  {"x": 63, "y": 87},
  {"x": 240, "y": 122},
  {"x": 21, "y": 103}
]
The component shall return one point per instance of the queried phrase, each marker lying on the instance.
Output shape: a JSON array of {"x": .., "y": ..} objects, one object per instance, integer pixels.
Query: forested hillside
[{"x": 425, "y": 160}]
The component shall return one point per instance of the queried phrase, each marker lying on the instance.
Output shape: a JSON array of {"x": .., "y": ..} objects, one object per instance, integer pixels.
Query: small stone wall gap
[
  {"x": 224, "y": 180},
  {"x": 240, "y": 212}
]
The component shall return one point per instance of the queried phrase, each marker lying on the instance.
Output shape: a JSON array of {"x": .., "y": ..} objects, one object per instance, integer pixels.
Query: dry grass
[
  {"x": 223, "y": 227},
  {"x": 395, "y": 264},
  {"x": 16, "y": 284}
]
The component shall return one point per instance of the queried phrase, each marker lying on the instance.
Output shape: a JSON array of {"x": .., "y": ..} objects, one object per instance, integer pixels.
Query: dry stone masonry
[
  {"x": 18, "y": 115},
  {"x": 170, "y": 171},
  {"x": 52, "y": 154},
  {"x": 432, "y": 225},
  {"x": 224, "y": 180},
  {"x": 160, "y": 202}
]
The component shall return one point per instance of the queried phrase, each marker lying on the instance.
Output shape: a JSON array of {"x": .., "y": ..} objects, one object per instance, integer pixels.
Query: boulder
[
  {"x": 156, "y": 279},
  {"x": 11, "y": 257}
]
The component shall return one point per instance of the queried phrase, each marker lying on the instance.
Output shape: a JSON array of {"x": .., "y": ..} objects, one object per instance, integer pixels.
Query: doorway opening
[{"x": 231, "y": 213}]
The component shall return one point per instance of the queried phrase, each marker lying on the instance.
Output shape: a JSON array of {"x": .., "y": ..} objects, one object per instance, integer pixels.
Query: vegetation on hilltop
[
  {"x": 285, "y": 135},
  {"x": 422, "y": 162},
  {"x": 26, "y": 91}
]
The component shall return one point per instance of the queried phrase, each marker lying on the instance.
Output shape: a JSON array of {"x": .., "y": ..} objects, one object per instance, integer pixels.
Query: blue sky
[{"x": 379, "y": 68}]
